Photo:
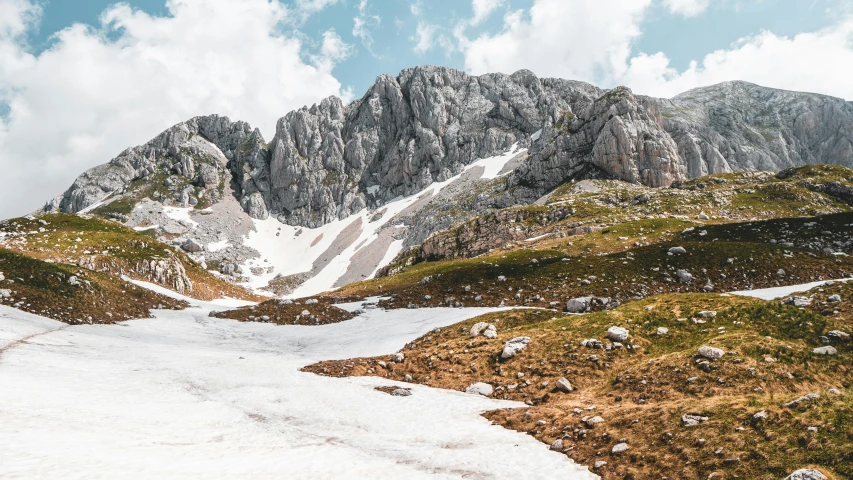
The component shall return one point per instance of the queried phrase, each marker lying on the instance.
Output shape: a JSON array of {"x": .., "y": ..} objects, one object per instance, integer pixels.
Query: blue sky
[
  {"x": 81, "y": 80},
  {"x": 682, "y": 39}
]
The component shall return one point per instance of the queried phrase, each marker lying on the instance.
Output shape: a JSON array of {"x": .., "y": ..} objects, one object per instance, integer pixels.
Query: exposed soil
[
  {"x": 641, "y": 389},
  {"x": 72, "y": 294},
  {"x": 286, "y": 312}
]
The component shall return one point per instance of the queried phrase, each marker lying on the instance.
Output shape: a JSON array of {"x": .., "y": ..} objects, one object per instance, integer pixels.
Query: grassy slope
[
  {"x": 562, "y": 271},
  {"x": 642, "y": 394},
  {"x": 46, "y": 289},
  {"x": 289, "y": 313},
  {"x": 112, "y": 248}
]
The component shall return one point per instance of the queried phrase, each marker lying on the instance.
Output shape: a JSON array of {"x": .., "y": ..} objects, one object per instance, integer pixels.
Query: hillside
[{"x": 647, "y": 376}]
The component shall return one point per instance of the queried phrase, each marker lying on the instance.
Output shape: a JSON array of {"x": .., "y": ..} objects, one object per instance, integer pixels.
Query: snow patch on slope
[
  {"x": 184, "y": 395},
  {"x": 286, "y": 250}
]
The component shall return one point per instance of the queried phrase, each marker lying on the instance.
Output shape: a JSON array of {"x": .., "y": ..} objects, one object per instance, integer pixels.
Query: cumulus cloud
[
  {"x": 687, "y": 8},
  {"x": 98, "y": 90},
  {"x": 593, "y": 41},
  {"x": 424, "y": 35},
  {"x": 363, "y": 25},
  {"x": 820, "y": 61},
  {"x": 484, "y": 8},
  {"x": 563, "y": 38}
]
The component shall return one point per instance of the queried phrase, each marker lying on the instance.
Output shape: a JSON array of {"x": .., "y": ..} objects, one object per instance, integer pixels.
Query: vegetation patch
[
  {"x": 72, "y": 294},
  {"x": 681, "y": 414}
]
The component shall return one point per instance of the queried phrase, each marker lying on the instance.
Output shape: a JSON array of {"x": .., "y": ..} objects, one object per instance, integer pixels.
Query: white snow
[
  {"x": 142, "y": 229},
  {"x": 290, "y": 254},
  {"x": 393, "y": 250},
  {"x": 540, "y": 237},
  {"x": 180, "y": 214},
  {"x": 188, "y": 396},
  {"x": 217, "y": 246},
  {"x": 536, "y": 135},
  {"x": 96, "y": 204},
  {"x": 779, "y": 292},
  {"x": 494, "y": 165}
]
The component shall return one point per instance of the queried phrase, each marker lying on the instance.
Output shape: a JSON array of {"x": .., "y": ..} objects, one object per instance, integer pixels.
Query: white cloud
[
  {"x": 99, "y": 90},
  {"x": 593, "y": 41},
  {"x": 424, "y": 36},
  {"x": 820, "y": 62},
  {"x": 575, "y": 39},
  {"x": 687, "y": 8},
  {"x": 483, "y": 8},
  {"x": 363, "y": 23}
]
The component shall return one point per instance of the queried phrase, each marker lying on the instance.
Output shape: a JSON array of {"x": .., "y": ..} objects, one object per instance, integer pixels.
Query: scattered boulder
[
  {"x": 5, "y": 293},
  {"x": 692, "y": 419},
  {"x": 191, "y": 246},
  {"x": 838, "y": 335},
  {"x": 677, "y": 250},
  {"x": 398, "y": 357},
  {"x": 806, "y": 474},
  {"x": 73, "y": 281},
  {"x": 760, "y": 417},
  {"x": 684, "y": 276},
  {"x": 619, "y": 448},
  {"x": 617, "y": 334},
  {"x": 711, "y": 353},
  {"x": 478, "y": 328},
  {"x": 599, "y": 464},
  {"x": 480, "y": 388},
  {"x": 564, "y": 385},
  {"x": 662, "y": 330},
  {"x": 579, "y": 305},
  {"x": 797, "y": 301},
  {"x": 834, "y": 298},
  {"x": 707, "y": 314},
  {"x": 512, "y": 347},
  {"x": 557, "y": 446},
  {"x": 490, "y": 332},
  {"x": 826, "y": 350},
  {"x": 804, "y": 399},
  {"x": 593, "y": 421},
  {"x": 401, "y": 392}
]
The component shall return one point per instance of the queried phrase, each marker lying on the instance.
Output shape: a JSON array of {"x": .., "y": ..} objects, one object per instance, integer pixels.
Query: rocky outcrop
[
  {"x": 619, "y": 135},
  {"x": 169, "y": 152},
  {"x": 735, "y": 126},
  {"x": 331, "y": 160}
]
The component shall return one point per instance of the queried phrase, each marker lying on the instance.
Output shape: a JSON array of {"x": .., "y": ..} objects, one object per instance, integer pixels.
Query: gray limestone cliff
[{"x": 425, "y": 125}]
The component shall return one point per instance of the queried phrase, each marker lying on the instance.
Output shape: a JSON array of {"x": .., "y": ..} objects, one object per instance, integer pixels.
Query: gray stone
[
  {"x": 825, "y": 350},
  {"x": 513, "y": 346},
  {"x": 191, "y": 246},
  {"x": 617, "y": 334},
  {"x": 684, "y": 276},
  {"x": 564, "y": 385},
  {"x": 401, "y": 392},
  {"x": 677, "y": 250},
  {"x": 619, "y": 448},
  {"x": 557, "y": 446},
  {"x": 711, "y": 353},
  {"x": 806, "y": 474},
  {"x": 398, "y": 357},
  {"x": 480, "y": 388},
  {"x": 691, "y": 420},
  {"x": 578, "y": 305}
]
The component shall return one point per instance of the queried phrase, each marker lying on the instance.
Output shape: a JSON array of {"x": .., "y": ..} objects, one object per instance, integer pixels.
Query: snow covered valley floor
[{"x": 184, "y": 395}]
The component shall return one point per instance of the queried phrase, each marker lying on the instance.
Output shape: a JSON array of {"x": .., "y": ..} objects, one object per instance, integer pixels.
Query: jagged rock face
[
  {"x": 619, "y": 135},
  {"x": 740, "y": 126},
  {"x": 329, "y": 161},
  {"x": 166, "y": 153}
]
